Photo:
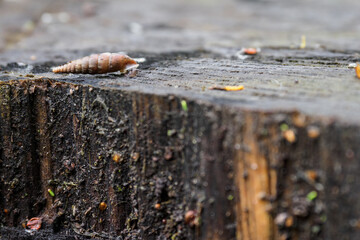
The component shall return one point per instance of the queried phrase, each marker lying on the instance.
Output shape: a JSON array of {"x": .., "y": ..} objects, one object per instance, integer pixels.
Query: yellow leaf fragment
[
  {"x": 227, "y": 88},
  {"x": 357, "y": 70},
  {"x": 234, "y": 88},
  {"x": 303, "y": 42}
]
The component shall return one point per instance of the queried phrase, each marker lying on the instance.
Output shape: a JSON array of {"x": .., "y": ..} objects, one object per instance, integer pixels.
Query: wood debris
[
  {"x": 227, "y": 88},
  {"x": 357, "y": 70},
  {"x": 250, "y": 51},
  {"x": 102, "y": 206},
  {"x": 313, "y": 132},
  {"x": 303, "y": 42},
  {"x": 289, "y": 135},
  {"x": 34, "y": 223}
]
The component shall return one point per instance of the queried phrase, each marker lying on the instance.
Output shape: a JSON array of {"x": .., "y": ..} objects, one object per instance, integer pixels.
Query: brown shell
[{"x": 98, "y": 63}]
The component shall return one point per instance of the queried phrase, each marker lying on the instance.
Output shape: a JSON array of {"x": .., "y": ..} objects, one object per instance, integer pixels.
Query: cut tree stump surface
[
  {"x": 315, "y": 82},
  {"x": 277, "y": 160}
]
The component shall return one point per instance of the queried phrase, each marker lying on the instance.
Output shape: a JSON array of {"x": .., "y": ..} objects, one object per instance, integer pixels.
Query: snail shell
[{"x": 99, "y": 63}]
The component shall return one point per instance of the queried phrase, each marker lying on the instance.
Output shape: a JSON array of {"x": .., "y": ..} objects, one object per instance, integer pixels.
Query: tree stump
[{"x": 163, "y": 156}]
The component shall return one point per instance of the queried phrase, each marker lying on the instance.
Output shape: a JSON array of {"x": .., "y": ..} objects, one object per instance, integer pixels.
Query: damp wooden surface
[{"x": 277, "y": 160}]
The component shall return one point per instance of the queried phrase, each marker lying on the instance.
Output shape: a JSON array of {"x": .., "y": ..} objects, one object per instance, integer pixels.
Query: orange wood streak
[{"x": 255, "y": 181}]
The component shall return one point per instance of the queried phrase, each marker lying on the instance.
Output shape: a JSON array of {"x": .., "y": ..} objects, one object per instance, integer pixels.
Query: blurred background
[{"x": 162, "y": 25}]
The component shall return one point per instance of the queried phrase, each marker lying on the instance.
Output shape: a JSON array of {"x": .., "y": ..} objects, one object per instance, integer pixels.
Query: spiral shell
[{"x": 98, "y": 63}]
